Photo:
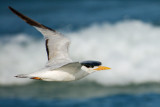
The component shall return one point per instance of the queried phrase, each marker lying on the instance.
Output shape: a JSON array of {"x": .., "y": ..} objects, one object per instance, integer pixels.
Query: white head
[{"x": 92, "y": 66}]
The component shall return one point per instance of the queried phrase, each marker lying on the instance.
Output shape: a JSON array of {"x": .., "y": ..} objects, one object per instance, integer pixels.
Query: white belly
[{"x": 54, "y": 76}]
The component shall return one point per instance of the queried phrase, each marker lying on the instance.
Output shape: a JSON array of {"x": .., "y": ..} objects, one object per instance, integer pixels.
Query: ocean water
[{"x": 122, "y": 34}]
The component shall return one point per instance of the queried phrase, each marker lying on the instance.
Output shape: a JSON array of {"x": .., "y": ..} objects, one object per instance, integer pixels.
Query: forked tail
[
  {"x": 27, "y": 76},
  {"x": 22, "y": 76}
]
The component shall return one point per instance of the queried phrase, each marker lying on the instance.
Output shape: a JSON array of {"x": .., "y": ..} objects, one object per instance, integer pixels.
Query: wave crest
[{"x": 130, "y": 48}]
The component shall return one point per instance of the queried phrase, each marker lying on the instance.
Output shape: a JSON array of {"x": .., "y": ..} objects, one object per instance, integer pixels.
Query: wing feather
[
  {"x": 56, "y": 44},
  {"x": 71, "y": 68}
]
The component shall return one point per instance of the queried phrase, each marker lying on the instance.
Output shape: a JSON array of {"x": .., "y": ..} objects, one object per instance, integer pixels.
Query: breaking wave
[{"x": 130, "y": 48}]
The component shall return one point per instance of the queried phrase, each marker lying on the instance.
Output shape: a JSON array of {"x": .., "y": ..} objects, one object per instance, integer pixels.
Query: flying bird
[{"x": 59, "y": 67}]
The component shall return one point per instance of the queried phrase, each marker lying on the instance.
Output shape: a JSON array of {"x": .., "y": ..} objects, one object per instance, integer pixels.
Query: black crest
[{"x": 91, "y": 64}]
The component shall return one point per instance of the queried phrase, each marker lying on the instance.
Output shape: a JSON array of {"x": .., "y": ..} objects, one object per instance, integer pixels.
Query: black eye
[
  {"x": 91, "y": 64},
  {"x": 87, "y": 66}
]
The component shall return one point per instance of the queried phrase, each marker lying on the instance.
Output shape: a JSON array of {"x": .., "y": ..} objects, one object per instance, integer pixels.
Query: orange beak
[{"x": 102, "y": 68}]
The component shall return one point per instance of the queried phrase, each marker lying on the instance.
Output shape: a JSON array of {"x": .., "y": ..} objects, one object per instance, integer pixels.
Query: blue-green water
[
  {"x": 122, "y": 34},
  {"x": 88, "y": 94},
  {"x": 120, "y": 100}
]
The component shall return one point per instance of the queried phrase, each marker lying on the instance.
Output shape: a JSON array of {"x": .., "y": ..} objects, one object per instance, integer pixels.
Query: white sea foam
[
  {"x": 130, "y": 48},
  {"x": 20, "y": 54}
]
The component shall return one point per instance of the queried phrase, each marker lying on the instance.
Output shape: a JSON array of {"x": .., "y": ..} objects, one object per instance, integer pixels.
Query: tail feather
[{"x": 22, "y": 76}]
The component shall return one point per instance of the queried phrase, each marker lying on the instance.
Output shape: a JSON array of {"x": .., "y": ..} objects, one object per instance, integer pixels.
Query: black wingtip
[
  {"x": 29, "y": 20},
  {"x": 11, "y": 8}
]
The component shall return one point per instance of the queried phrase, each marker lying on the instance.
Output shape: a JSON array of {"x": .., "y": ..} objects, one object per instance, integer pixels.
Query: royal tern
[{"x": 59, "y": 66}]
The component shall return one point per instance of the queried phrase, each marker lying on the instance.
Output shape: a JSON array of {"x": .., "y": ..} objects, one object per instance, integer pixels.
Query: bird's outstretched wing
[{"x": 56, "y": 44}]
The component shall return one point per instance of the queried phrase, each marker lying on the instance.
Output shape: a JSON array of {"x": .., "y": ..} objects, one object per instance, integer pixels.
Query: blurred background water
[{"x": 123, "y": 34}]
